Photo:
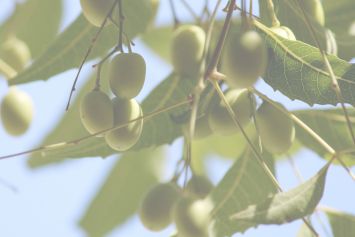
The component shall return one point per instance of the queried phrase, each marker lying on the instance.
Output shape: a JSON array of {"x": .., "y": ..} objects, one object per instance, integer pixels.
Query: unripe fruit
[
  {"x": 192, "y": 217},
  {"x": 127, "y": 74},
  {"x": 246, "y": 59},
  {"x": 124, "y": 110},
  {"x": 187, "y": 50},
  {"x": 96, "y": 112},
  {"x": 16, "y": 112},
  {"x": 284, "y": 32},
  {"x": 202, "y": 128},
  {"x": 199, "y": 186},
  {"x": 155, "y": 211},
  {"x": 220, "y": 120},
  {"x": 276, "y": 129},
  {"x": 96, "y": 11},
  {"x": 15, "y": 53},
  {"x": 315, "y": 9}
]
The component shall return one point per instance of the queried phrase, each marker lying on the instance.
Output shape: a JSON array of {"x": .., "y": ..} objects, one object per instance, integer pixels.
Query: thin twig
[
  {"x": 173, "y": 11},
  {"x": 79, "y": 140},
  {"x": 91, "y": 46}
]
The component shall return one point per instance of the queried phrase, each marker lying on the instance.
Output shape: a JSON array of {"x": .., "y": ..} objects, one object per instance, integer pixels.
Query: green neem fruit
[
  {"x": 15, "y": 53},
  {"x": 245, "y": 59},
  {"x": 96, "y": 11},
  {"x": 202, "y": 128},
  {"x": 96, "y": 112},
  {"x": 276, "y": 129},
  {"x": 315, "y": 9},
  {"x": 192, "y": 217},
  {"x": 155, "y": 211},
  {"x": 16, "y": 111},
  {"x": 220, "y": 120},
  {"x": 127, "y": 74},
  {"x": 187, "y": 50},
  {"x": 199, "y": 186},
  {"x": 284, "y": 32},
  {"x": 125, "y": 110}
]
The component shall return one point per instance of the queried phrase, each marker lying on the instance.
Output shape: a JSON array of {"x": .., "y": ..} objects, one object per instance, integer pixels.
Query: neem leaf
[
  {"x": 298, "y": 71},
  {"x": 285, "y": 206}
]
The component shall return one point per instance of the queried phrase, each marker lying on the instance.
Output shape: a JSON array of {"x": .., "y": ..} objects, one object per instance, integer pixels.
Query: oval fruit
[
  {"x": 187, "y": 50},
  {"x": 127, "y": 74},
  {"x": 155, "y": 211},
  {"x": 15, "y": 53},
  {"x": 245, "y": 59},
  {"x": 124, "y": 110},
  {"x": 16, "y": 111},
  {"x": 284, "y": 32},
  {"x": 192, "y": 217},
  {"x": 276, "y": 129},
  {"x": 199, "y": 186},
  {"x": 315, "y": 9},
  {"x": 220, "y": 120},
  {"x": 96, "y": 111},
  {"x": 95, "y": 11}
]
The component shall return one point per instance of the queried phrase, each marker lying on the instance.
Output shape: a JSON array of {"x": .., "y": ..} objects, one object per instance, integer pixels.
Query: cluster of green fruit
[
  {"x": 188, "y": 208},
  {"x": 245, "y": 61},
  {"x": 16, "y": 108},
  {"x": 98, "y": 112}
]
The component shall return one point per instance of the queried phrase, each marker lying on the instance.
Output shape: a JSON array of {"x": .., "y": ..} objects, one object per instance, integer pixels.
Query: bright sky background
[{"x": 51, "y": 200}]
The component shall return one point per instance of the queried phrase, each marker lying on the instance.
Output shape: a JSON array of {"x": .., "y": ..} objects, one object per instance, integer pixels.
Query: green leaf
[
  {"x": 36, "y": 22},
  {"x": 330, "y": 124},
  {"x": 69, "y": 49},
  {"x": 118, "y": 199},
  {"x": 245, "y": 183},
  {"x": 343, "y": 224},
  {"x": 290, "y": 14},
  {"x": 286, "y": 206},
  {"x": 158, "y": 39},
  {"x": 298, "y": 71},
  {"x": 159, "y": 130}
]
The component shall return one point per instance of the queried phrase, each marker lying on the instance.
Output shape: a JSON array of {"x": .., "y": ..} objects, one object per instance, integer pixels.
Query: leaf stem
[{"x": 238, "y": 125}]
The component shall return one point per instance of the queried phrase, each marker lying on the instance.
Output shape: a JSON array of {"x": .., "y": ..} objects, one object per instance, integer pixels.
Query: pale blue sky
[{"x": 50, "y": 201}]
